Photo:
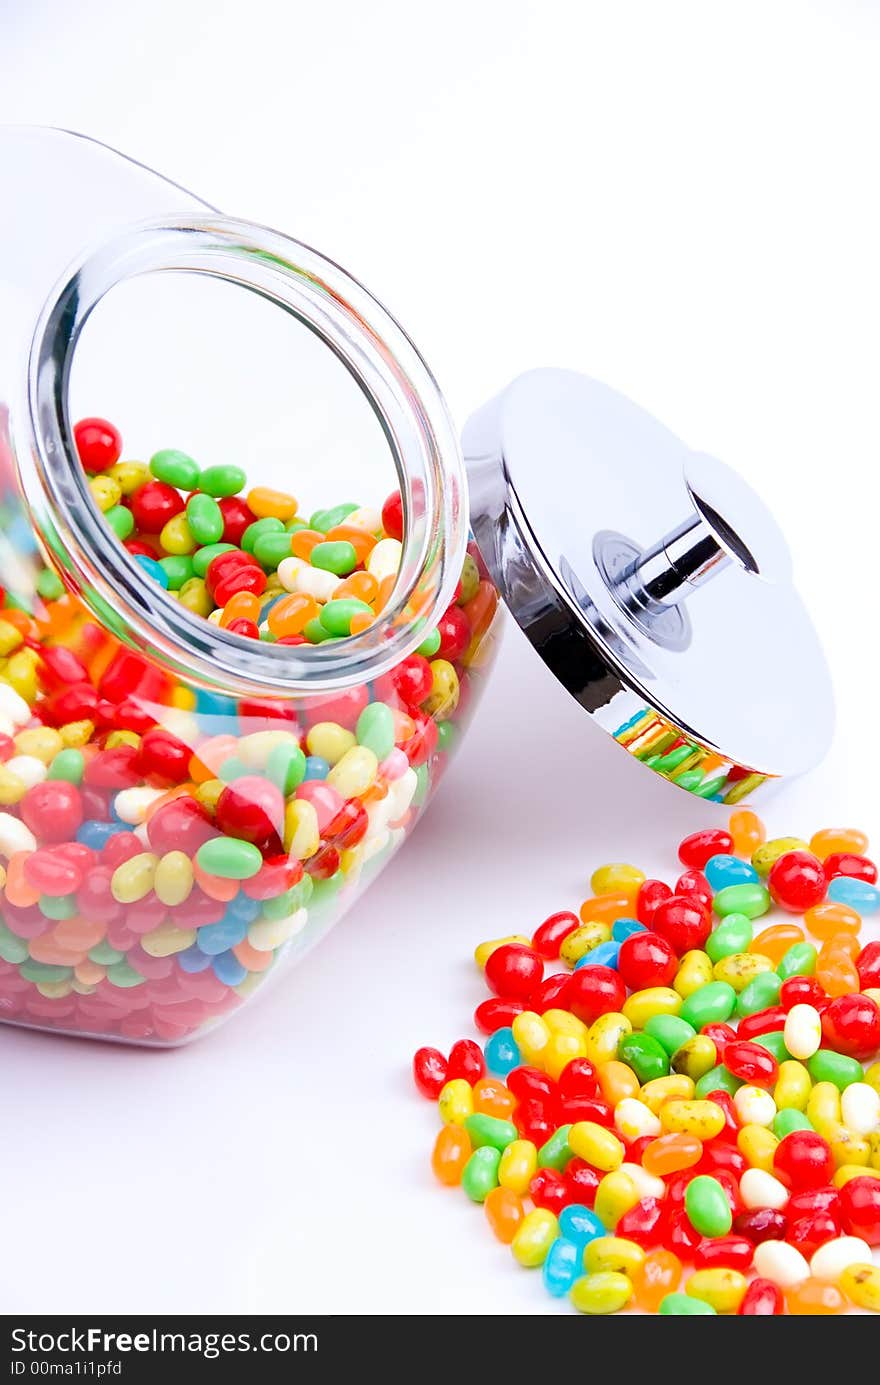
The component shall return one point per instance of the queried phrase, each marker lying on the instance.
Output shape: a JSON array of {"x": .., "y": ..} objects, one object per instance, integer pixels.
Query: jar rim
[{"x": 386, "y": 366}]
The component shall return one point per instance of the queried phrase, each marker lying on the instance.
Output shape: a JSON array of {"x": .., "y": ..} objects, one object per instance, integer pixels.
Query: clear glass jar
[{"x": 174, "y": 830}]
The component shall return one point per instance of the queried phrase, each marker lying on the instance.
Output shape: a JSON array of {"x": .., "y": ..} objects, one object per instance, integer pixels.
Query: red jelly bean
[
  {"x": 454, "y": 630},
  {"x": 721, "y": 1035},
  {"x": 466, "y": 1060},
  {"x": 730, "y": 1128},
  {"x": 651, "y": 895},
  {"x": 429, "y": 1071},
  {"x": 251, "y": 808},
  {"x": 694, "y": 885},
  {"x": 847, "y": 863},
  {"x": 549, "y": 1189},
  {"x": 595, "y": 991},
  {"x": 392, "y": 516},
  {"x": 724, "y": 1252},
  {"x": 767, "y": 1021},
  {"x": 60, "y": 667},
  {"x": 423, "y": 742},
  {"x": 761, "y": 1224},
  {"x": 580, "y": 1107},
  {"x": 860, "y": 1208},
  {"x": 803, "y": 1159},
  {"x": 825, "y": 1198},
  {"x": 684, "y": 924},
  {"x": 797, "y": 881},
  {"x": 163, "y": 757},
  {"x": 800, "y": 990},
  {"x": 645, "y": 1223},
  {"x": 551, "y": 934},
  {"x": 496, "y": 1013},
  {"x": 868, "y": 965},
  {"x": 851, "y": 1025},
  {"x": 582, "y": 1180},
  {"x": 809, "y": 1232},
  {"x": 237, "y": 516},
  {"x": 121, "y": 847},
  {"x": 113, "y": 769},
  {"x": 513, "y": 971},
  {"x": 249, "y": 578},
  {"x": 128, "y": 675},
  {"x": 762, "y": 1299},
  {"x": 578, "y": 1078},
  {"x": 646, "y": 959},
  {"x": 52, "y": 874},
  {"x": 183, "y": 824},
  {"x": 94, "y": 897},
  {"x": 551, "y": 993},
  {"x": 534, "y": 1122},
  {"x": 98, "y": 443},
  {"x": 700, "y": 847},
  {"x": 153, "y": 504},
  {"x": 350, "y": 825},
  {"x": 323, "y": 865},
  {"x": 681, "y": 1238},
  {"x": 751, "y": 1063},
  {"x": 531, "y": 1083},
  {"x": 276, "y": 875},
  {"x": 76, "y": 703},
  {"x": 413, "y": 680},
  {"x": 52, "y": 810},
  {"x": 721, "y": 1155}
]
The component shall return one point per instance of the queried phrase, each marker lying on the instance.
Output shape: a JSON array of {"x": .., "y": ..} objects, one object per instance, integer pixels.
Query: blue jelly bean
[
  {"x": 501, "y": 1052},
  {"x": 193, "y": 959},
  {"x": 97, "y": 834},
  {"x": 562, "y": 1267},
  {"x": 722, "y": 871},
  {"x": 579, "y": 1224},
  {"x": 210, "y": 704},
  {"x": 242, "y": 909},
  {"x": 215, "y": 938},
  {"x": 152, "y": 569},
  {"x": 605, "y": 955},
  {"x": 316, "y": 767},
  {"x": 228, "y": 969},
  {"x": 621, "y": 929},
  {"x": 858, "y": 894}
]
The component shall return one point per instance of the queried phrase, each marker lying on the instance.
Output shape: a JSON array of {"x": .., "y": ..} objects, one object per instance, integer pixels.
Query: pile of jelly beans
[
  {"x": 162, "y": 846},
  {"x": 679, "y": 1119}
]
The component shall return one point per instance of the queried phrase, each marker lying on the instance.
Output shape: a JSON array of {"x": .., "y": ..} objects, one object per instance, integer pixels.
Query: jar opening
[{"x": 384, "y": 405}]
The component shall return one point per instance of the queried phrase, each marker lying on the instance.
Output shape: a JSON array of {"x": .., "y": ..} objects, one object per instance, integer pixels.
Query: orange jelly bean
[
  {"x": 658, "y": 1275},
  {"x": 265, "y": 503},
  {"x": 825, "y": 920},
  {"x": 360, "y": 585},
  {"x": 481, "y": 608},
  {"x": 291, "y": 614},
  {"x": 813, "y": 1296},
  {"x": 241, "y": 606},
  {"x": 17, "y": 890},
  {"x": 492, "y": 1098},
  {"x": 605, "y": 908},
  {"x": 617, "y": 1081},
  {"x": 837, "y": 975},
  {"x": 775, "y": 941},
  {"x": 215, "y": 886},
  {"x": 251, "y": 957},
  {"x": 78, "y": 935},
  {"x": 303, "y": 541},
  {"x": 840, "y": 945},
  {"x": 834, "y": 839},
  {"x": 360, "y": 621},
  {"x": 46, "y": 949},
  {"x": 386, "y": 587},
  {"x": 671, "y": 1153},
  {"x": 504, "y": 1212},
  {"x": 452, "y": 1149},
  {"x": 747, "y": 830}
]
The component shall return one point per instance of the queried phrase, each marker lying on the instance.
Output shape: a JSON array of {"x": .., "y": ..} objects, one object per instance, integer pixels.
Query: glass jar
[{"x": 198, "y": 774}]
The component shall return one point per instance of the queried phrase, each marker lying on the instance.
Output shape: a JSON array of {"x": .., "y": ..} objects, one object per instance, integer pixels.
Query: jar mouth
[{"x": 384, "y": 364}]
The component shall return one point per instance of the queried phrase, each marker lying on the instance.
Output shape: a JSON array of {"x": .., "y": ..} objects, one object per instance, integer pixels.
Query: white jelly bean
[
  {"x": 757, "y": 1188},
  {"x": 384, "y": 560},
  {"x": 754, "y": 1106},
  {"x": 780, "y": 1262},
  {"x": 131, "y": 804},
  {"x": 316, "y": 582},
  {"x": 13, "y": 706},
  {"x": 803, "y": 1031},
  {"x": 634, "y": 1120},
  {"x": 364, "y": 518},
  {"x": 375, "y": 842},
  {"x": 287, "y": 570},
  {"x": 15, "y": 836},
  {"x": 142, "y": 834},
  {"x": 647, "y": 1184},
  {"x": 860, "y": 1108},
  {"x": 268, "y": 934},
  {"x": 831, "y": 1259},
  {"x": 28, "y": 768}
]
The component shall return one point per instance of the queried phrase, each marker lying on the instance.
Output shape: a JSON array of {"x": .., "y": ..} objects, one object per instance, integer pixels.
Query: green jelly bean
[
  {"x": 429, "y": 645},
  {"x": 272, "y": 549},
  {"x": 69, "y": 765},
  {"x": 375, "y": 729},
  {"x": 423, "y": 785},
  {"x": 556, "y": 1153},
  {"x": 706, "y": 1204},
  {"x": 799, "y": 960},
  {"x": 784, "y": 1122},
  {"x": 683, "y": 1306},
  {"x": 270, "y": 525},
  {"x": 646, "y": 1056},
  {"x": 674, "y": 758},
  {"x": 336, "y": 616},
  {"x": 774, "y": 1042},
  {"x": 58, "y": 906},
  {"x": 220, "y": 481},
  {"x": 751, "y": 900},
  {"x": 121, "y": 521},
  {"x": 324, "y": 892},
  {"x": 233, "y": 768},
  {"x": 716, "y": 1080},
  {"x": 710, "y": 1004},
  {"x": 124, "y": 976},
  {"x": 489, "y": 1130},
  {"x": 670, "y": 1031},
  {"x": 12, "y": 948},
  {"x": 178, "y": 568},
  {"x": 480, "y": 1174},
  {"x": 229, "y": 858},
  {"x": 762, "y": 990},
  {"x": 828, "y": 1066},
  {"x": 294, "y": 525},
  {"x": 322, "y": 520},
  {"x": 732, "y": 935},
  {"x": 175, "y": 468},
  {"x": 205, "y": 519},
  {"x": 286, "y": 767},
  {"x": 49, "y": 585},
  {"x": 283, "y": 905},
  {"x": 104, "y": 954},
  {"x": 203, "y": 559},
  {"x": 338, "y": 557},
  {"x": 689, "y": 780},
  {"x": 447, "y": 736},
  {"x": 315, "y": 632},
  {"x": 44, "y": 973}
]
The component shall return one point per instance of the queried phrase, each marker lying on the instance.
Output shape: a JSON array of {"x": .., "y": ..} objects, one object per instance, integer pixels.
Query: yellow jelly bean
[
  {"x": 330, "y": 741},
  {"x": 76, "y": 734},
  {"x": 833, "y": 839},
  {"x": 616, "y": 1194},
  {"x": 599, "y": 1146},
  {"x": 695, "y": 1057},
  {"x": 194, "y": 596},
  {"x": 601, "y": 1293},
  {"x": 174, "y": 878},
  {"x": 874, "y": 1142},
  {"x": 12, "y": 788},
  {"x": 766, "y": 856},
  {"x": 301, "y": 834},
  {"x": 130, "y": 476},
  {"x": 165, "y": 940},
  {"x": 134, "y": 878},
  {"x": 353, "y": 774},
  {"x": 122, "y": 738},
  {"x": 564, "y": 1022},
  {"x": 54, "y": 990},
  {"x": 10, "y": 637},
  {"x": 675, "y": 1087},
  {"x": 209, "y": 791},
  {"x": 254, "y": 750},
  {"x": 583, "y": 939},
  {"x": 559, "y": 1051},
  {"x": 43, "y": 742},
  {"x": 694, "y": 971},
  {"x": 722, "y": 1289},
  {"x": 21, "y": 674},
  {"x": 184, "y": 698},
  {"x": 740, "y": 968},
  {"x": 534, "y": 1236},
  {"x": 793, "y": 1086},
  {"x": 757, "y": 1144},
  {"x": 861, "y": 1284},
  {"x": 271, "y": 504},
  {"x": 105, "y": 491},
  {"x": 616, "y": 878},
  {"x": 846, "y": 1146},
  {"x": 823, "y": 1106},
  {"x": 613, "y": 1253},
  {"x": 654, "y": 1000},
  {"x": 456, "y": 1101},
  {"x": 872, "y": 1076},
  {"x": 176, "y": 537},
  {"x": 519, "y": 1163},
  {"x": 532, "y": 1036},
  {"x": 605, "y": 1034},
  {"x": 484, "y": 951},
  {"x": 846, "y": 1172},
  {"x": 443, "y": 697},
  {"x": 705, "y": 1119}
]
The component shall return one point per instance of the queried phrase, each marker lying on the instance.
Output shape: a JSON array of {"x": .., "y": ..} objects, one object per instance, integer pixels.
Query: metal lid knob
[{"x": 693, "y": 649}]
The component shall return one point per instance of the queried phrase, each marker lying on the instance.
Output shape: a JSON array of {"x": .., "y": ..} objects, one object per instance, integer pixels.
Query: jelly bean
[
  {"x": 721, "y": 871},
  {"x": 603, "y": 1293},
  {"x": 760, "y": 993},
  {"x": 799, "y": 960},
  {"x": 856, "y": 894},
  {"x": 751, "y": 1063},
  {"x": 617, "y": 879},
  {"x": 683, "y": 924},
  {"x": 549, "y": 1190},
  {"x": 860, "y": 1208},
  {"x": 98, "y": 444},
  {"x": 593, "y": 992},
  {"x": 466, "y": 1061},
  {"x": 513, "y": 971},
  {"x": 502, "y": 1054},
  {"x": 229, "y": 858},
  {"x": 684, "y": 1306},
  {"x": 671, "y": 1154},
  {"x": 710, "y": 1004},
  {"x": 838, "y": 839},
  {"x": 700, "y": 847},
  {"x": 452, "y": 1150},
  {"x": 851, "y": 1024},
  {"x": 763, "y": 1298},
  {"x": 826, "y": 1066},
  {"x": 579, "y": 1224},
  {"x": 596, "y": 1145},
  {"x": 646, "y": 959},
  {"x": 644, "y": 1055},
  {"x": 534, "y": 1236},
  {"x": 519, "y": 1162},
  {"x": 561, "y": 1267},
  {"x": 707, "y": 1206},
  {"x": 768, "y": 853},
  {"x": 722, "y": 1289},
  {"x": 430, "y": 1072}
]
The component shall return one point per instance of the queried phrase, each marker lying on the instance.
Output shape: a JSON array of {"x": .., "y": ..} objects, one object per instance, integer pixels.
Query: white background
[{"x": 680, "y": 199}]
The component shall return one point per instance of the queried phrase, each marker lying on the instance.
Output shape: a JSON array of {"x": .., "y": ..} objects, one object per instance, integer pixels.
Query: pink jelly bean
[
  {"x": 394, "y": 766},
  {"x": 26, "y": 923},
  {"x": 145, "y": 914},
  {"x": 52, "y": 874},
  {"x": 153, "y": 968}
]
